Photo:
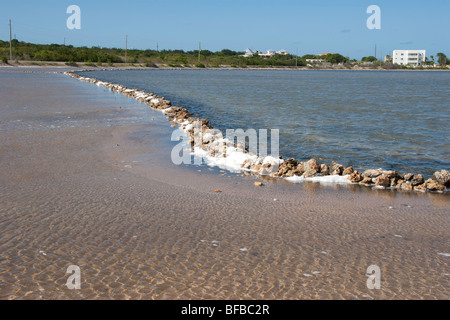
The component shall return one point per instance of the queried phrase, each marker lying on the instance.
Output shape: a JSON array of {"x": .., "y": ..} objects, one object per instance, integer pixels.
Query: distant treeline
[
  {"x": 96, "y": 55},
  {"x": 23, "y": 51}
]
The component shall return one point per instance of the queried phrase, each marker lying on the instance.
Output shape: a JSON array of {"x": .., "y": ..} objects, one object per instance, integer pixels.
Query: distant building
[
  {"x": 248, "y": 53},
  {"x": 269, "y": 54},
  {"x": 283, "y": 52},
  {"x": 387, "y": 58},
  {"x": 409, "y": 57}
]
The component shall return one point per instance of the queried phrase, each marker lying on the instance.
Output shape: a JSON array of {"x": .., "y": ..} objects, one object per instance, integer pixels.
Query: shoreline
[
  {"x": 291, "y": 169},
  {"x": 56, "y": 64}
]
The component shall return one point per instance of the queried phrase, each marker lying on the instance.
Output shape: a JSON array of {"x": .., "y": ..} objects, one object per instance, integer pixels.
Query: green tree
[
  {"x": 369, "y": 59},
  {"x": 334, "y": 58},
  {"x": 442, "y": 59}
]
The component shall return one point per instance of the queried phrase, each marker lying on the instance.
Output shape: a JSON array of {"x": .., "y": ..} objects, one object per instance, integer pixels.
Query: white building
[
  {"x": 270, "y": 53},
  {"x": 248, "y": 53},
  {"x": 409, "y": 57},
  {"x": 283, "y": 52}
]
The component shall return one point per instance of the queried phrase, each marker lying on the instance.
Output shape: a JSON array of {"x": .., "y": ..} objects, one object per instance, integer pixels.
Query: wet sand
[{"x": 87, "y": 180}]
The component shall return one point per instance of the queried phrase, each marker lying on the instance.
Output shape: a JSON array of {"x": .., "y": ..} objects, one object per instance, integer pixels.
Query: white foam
[
  {"x": 232, "y": 162},
  {"x": 321, "y": 179},
  {"x": 208, "y": 135},
  {"x": 270, "y": 159}
]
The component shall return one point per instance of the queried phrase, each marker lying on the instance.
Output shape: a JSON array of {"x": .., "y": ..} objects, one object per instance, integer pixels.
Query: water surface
[{"x": 393, "y": 120}]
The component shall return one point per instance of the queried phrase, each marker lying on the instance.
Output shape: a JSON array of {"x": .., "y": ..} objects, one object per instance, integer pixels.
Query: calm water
[{"x": 392, "y": 120}]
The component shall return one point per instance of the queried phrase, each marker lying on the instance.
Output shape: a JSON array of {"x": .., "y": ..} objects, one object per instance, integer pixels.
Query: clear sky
[{"x": 311, "y": 26}]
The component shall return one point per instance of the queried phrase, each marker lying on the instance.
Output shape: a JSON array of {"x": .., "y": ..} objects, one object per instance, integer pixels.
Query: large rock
[
  {"x": 408, "y": 176},
  {"x": 399, "y": 183},
  {"x": 421, "y": 188},
  {"x": 355, "y": 177},
  {"x": 324, "y": 169},
  {"x": 289, "y": 168},
  {"x": 366, "y": 180},
  {"x": 433, "y": 185},
  {"x": 394, "y": 182},
  {"x": 336, "y": 169},
  {"x": 205, "y": 123},
  {"x": 442, "y": 177},
  {"x": 406, "y": 186},
  {"x": 391, "y": 174},
  {"x": 246, "y": 164},
  {"x": 311, "y": 167},
  {"x": 299, "y": 170},
  {"x": 382, "y": 181},
  {"x": 286, "y": 166},
  {"x": 347, "y": 171},
  {"x": 256, "y": 167},
  {"x": 417, "y": 180},
  {"x": 372, "y": 173}
]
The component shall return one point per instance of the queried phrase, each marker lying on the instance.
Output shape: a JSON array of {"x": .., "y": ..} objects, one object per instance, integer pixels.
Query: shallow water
[
  {"x": 87, "y": 180},
  {"x": 390, "y": 120}
]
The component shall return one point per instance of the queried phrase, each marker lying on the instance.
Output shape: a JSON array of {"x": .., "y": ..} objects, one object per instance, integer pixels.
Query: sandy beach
[{"x": 87, "y": 180}]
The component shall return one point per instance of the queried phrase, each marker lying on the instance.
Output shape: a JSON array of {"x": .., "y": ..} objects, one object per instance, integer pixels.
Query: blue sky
[{"x": 311, "y": 26}]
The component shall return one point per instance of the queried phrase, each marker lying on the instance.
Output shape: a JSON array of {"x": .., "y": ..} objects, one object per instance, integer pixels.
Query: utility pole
[
  {"x": 157, "y": 47},
  {"x": 10, "y": 40},
  {"x": 375, "y": 50},
  {"x": 126, "y": 47},
  {"x": 296, "y": 58},
  {"x": 199, "y": 51}
]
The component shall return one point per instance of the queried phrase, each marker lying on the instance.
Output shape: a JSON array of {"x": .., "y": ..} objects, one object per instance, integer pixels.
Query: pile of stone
[
  {"x": 392, "y": 179},
  {"x": 212, "y": 142}
]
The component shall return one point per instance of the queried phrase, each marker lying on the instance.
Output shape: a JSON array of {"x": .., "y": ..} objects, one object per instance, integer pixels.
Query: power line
[{"x": 10, "y": 40}]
